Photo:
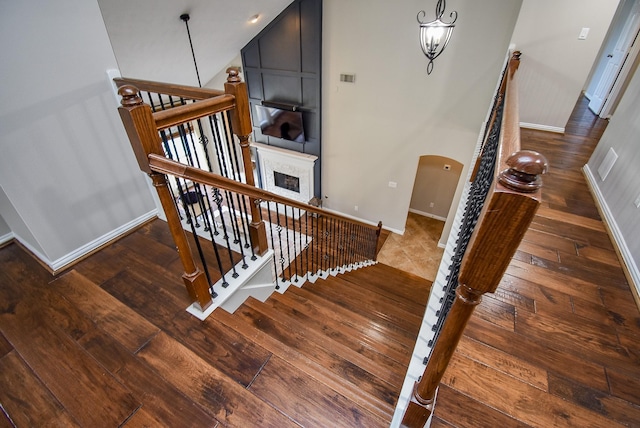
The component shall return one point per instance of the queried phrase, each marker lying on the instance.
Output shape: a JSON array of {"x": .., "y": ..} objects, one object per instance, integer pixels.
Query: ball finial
[
  {"x": 525, "y": 168},
  {"x": 130, "y": 96}
]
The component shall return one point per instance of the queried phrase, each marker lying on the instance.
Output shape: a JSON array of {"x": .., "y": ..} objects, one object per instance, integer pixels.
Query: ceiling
[{"x": 150, "y": 40}]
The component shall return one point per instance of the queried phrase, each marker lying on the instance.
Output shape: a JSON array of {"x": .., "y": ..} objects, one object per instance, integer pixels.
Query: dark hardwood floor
[
  {"x": 558, "y": 345},
  {"x": 108, "y": 343}
]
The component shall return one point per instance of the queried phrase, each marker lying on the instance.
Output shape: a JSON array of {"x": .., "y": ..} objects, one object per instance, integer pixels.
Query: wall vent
[
  {"x": 348, "y": 78},
  {"x": 607, "y": 164}
]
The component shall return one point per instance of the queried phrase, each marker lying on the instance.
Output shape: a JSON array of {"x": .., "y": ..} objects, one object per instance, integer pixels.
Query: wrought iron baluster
[
  {"x": 217, "y": 198},
  {"x": 477, "y": 195},
  {"x": 273, "y": 246}
]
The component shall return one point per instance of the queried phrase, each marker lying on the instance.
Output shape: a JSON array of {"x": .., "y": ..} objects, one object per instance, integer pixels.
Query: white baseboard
[
  {"x": 630, "y": 266},
  {"x": 426, "y": 214},
  {"x": 6, "y": 238},
  {"x": 390, "y": 229},
  {"x": 555, "y": 129},
  {"x": 62, "y": 263}
]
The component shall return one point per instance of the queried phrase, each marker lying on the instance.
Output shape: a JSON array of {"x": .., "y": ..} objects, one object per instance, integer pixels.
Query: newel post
[
  {"x": 241, "y": 126},
  {"x": 143, "y": 136},
  {"x": 505, "y": 217}
]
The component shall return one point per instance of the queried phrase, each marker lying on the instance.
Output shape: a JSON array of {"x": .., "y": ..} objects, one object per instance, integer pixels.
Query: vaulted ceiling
[{"x": 150, "y": 40}]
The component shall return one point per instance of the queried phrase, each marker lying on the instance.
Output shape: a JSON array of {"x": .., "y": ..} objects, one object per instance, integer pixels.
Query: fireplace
[
  {"x": 286, "y": 181},
  {"x": 285, "y": 172}
]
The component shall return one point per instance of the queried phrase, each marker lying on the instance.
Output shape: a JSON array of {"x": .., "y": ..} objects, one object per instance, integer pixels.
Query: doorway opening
[
  {"x": 435, "y": 185},
  {"x": 618, "y": 60}
]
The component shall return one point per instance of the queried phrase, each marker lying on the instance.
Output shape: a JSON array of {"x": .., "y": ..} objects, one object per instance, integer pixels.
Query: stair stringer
[
  {"x": 256, "y": 280},
  {"x": 299, "y": 281}
]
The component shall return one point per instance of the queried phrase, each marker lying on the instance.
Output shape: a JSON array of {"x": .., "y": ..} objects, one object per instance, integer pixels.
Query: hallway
[{"x": 558, "y": 344}]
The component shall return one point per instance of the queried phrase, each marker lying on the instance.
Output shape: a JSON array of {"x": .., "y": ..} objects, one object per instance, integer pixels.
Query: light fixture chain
[{"x": 185, "y": 17}]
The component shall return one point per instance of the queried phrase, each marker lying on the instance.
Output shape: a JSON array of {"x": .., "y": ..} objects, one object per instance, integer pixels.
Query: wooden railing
[
  {"x": 504, "y": 196},
  {"x": 322, "y": 242}
]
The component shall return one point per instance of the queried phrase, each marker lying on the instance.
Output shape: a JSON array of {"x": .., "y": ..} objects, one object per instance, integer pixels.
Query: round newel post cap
[
  {"x": 130, "y": 96},
  {"x": 233, "y": 75},
  {"x": 525, "y": 169}
]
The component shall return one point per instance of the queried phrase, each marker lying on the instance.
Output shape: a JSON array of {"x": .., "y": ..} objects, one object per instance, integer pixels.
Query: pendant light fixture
[{"x": 435, "y": 35}]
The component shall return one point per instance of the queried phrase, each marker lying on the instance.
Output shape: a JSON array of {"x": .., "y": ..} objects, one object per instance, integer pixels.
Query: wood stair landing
[{"x": 109, "y": 343}]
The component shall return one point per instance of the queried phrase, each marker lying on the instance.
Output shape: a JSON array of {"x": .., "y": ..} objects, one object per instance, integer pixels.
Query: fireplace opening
[{"x": 285, "y": 181}]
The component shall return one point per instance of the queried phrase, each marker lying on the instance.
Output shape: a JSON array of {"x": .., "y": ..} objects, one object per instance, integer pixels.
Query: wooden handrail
[
  {"x": 509, "y": 208},
  {"x": 175, "y": 116},
  {"x": 188, "y": 92},
  {"x": 143, "y": 136},
  {"x": 510, "y": 127},
  {"x": 143, "y": 126},
  {"x": 163, "y": 165}
]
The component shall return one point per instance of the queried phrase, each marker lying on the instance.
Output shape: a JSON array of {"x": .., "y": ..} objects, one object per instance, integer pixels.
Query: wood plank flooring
[
  {"x": 109, "y": 344},
  {"x": 564, "y": 348}
]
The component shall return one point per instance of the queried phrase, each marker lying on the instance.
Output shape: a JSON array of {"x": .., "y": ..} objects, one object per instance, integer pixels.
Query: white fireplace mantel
[{"x": 275, "y": 159}]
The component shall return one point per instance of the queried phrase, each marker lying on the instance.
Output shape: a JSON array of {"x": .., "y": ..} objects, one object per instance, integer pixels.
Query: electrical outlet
[
  {"x": 431, "y": 205},
  {"x": 393, "y": 184},
  {"x": 355, "y": 208}
]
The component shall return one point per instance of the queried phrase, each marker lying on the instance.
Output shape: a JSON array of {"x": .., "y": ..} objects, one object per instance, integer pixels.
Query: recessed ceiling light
[{"x": 254, "y": 18}]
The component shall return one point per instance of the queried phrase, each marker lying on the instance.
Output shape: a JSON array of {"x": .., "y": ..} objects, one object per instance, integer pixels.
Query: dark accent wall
[{"x": 283, "y": 64}]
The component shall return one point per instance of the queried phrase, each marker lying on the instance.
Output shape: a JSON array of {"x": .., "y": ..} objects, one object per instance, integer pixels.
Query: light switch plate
[{"x": 583, "y": 33}]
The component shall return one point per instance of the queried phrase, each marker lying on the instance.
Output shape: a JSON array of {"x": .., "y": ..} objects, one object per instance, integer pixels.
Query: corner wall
[
  {"x": 555, "y": 64},
  {"x": 621, "y": 188},
  {"x": 68, "y": 175}
]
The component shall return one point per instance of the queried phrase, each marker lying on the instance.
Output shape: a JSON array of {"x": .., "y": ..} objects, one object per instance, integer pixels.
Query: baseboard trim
[
  {"x": 390, "y": 229},
  {"x": 629, "y": 265},
  {"x": 425, "y": 214},
  {"x": 555, "y": 129},
  {"x": 57, "y": 266},
  {"x": 101, "y": 242},
  {"x": 5, "y": 239}
]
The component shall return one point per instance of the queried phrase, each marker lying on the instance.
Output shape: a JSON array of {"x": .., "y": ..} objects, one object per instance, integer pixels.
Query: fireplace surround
[{"x": 286, "y": 172}]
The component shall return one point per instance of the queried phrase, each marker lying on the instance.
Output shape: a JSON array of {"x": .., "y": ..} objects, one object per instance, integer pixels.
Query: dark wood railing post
[
  {"x": 378, "y": 246},
  {"x": 241, "y": 126},
  {"x": 505, "y": 217},
  {"x": 143, "y": 136}
]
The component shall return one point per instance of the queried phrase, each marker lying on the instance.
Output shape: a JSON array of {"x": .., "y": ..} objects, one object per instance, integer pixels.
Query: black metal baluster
[
  {"x": 273, "y": 246},
  {"x": 217, "y": 198},
  {"x": 279, "y": 230}
]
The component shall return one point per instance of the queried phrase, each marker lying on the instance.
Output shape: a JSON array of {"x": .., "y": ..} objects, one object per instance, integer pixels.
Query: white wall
[
  {"x": 622, "y": 186},
  {"x": 555, "y": 64},
  {"x": 435, "y": 186},
  {"x": 375, "y": 130},
  {"x": 5, "y": 231},
  {"x": 67, "y": 172}
]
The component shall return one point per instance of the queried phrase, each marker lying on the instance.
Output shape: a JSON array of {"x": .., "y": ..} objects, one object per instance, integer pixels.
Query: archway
[{"x": 435, "y": 185}]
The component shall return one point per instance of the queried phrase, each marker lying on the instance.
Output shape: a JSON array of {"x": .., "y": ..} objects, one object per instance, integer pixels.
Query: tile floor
[{"x": 417, "y": 250}]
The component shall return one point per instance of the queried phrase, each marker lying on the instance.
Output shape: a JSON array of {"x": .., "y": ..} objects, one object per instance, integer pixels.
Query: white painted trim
[
  {"x": 25, "y": 243},
  {"x": 548, "y": 128},
  {"x": 68, "y": 259},
  {"x": 426, "y": 214},
  {"x": 6, "y": 238},
  {"x": 65, "y": 261},
  {"x": 615, "y": 232},
  {"x": 390, "y": 229}
]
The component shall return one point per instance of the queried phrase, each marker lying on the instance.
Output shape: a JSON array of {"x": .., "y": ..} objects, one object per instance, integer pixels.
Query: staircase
[
  {"x": 194, "y": 145},
  {"x": 109, "y": 343}
]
